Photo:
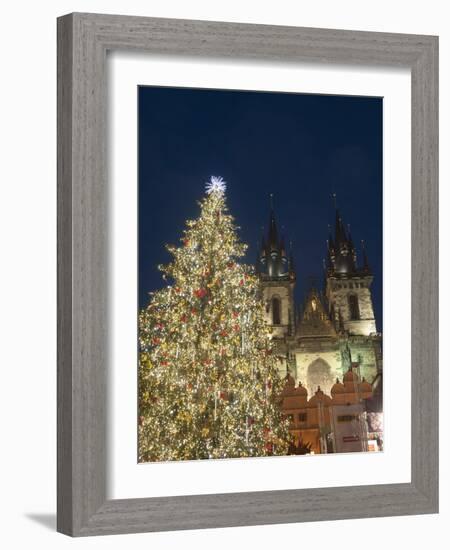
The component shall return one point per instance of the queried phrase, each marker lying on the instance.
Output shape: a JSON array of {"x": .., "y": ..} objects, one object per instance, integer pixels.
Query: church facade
[{"x": 335, "y": 329}]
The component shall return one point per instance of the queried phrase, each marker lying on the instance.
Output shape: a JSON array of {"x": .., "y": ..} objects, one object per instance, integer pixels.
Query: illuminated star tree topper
[{"x": 216, "y": 184}]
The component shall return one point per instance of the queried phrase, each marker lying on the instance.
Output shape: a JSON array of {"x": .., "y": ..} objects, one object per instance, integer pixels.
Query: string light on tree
[{"x": 208, "y": 381}]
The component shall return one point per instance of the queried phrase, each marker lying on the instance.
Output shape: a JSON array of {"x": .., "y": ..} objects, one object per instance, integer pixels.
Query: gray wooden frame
[{"x": 83, "y": 40}]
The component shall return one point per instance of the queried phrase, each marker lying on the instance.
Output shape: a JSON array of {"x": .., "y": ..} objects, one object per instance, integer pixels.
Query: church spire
[
  {"x": 273, "y": 261},
  {"x": 339, "y": 230},
  {"x": 273, "y": 232},
  {"x": 341, "y": 251},
  {"x": 349, "y": 299},
  {"x": 340, "y": 235}
]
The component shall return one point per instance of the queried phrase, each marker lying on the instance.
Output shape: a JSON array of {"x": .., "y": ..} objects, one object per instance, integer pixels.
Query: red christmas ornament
[
  {"x": 237, "y": 328},
  {"x": 241, "y": 282},
  {"x": 186, "y": 242},
  {"x": 164, "y": 363},
  {"x": 269, "y": 447},
  {"x": 194, "y": 311},
  {"x": 183, "y": 318},
  {"x": 269, "y": 384},
  {"x": 222, "y": 395},
  {"x": 235, "y": 314},
  {"x": 230, "y": 265},
  {"x": 224, "y": 333},
  {"x": 200, "y": 293},
  {"x": 156, "y": 341}
]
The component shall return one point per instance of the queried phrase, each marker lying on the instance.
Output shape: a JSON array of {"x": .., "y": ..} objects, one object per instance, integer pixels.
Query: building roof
[
  {"x": 273, "y": 261},
  {"x": 341, "y": 251}
]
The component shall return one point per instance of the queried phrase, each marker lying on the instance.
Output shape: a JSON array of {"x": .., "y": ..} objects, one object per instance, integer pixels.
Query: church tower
[
  {"x": 348, "y": 285},
  {"x": 277, "y": 275}
]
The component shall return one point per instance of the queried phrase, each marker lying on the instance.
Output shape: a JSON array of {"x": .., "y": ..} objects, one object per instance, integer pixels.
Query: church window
[
  {"x": 353, "y": 307},
  {"x": 276, "y": 311}
]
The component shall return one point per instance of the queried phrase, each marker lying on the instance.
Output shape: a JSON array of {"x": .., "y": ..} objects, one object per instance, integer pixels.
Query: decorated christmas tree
[{"x": 208, "y": 379}]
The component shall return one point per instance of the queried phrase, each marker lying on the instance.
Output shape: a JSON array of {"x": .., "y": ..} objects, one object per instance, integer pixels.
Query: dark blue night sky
[{"x": 300, "y": 147}]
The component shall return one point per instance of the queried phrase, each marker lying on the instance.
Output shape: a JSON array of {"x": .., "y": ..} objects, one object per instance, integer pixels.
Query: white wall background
[{"x": 28, "y": 268}]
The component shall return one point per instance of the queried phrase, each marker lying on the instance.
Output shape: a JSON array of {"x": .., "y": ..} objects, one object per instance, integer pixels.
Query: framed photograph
[{"x": 247, "y": 274}]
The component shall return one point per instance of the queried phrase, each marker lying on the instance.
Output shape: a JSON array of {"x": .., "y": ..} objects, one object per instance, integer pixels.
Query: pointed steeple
[
  {"x": 340, "y": 235},
  {"x": 349, "y": 300},
  {"x": 273, "y": 232},
  {"x": 274, "y": 262},
  {"x": 341, "y": 251}
]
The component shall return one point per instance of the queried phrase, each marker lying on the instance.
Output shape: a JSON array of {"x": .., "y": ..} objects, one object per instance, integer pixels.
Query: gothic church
[{"x": 335, "y": 329}]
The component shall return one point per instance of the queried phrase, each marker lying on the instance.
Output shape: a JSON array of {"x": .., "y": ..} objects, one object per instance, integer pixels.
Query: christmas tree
[{"x": 208, "y": 379}]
